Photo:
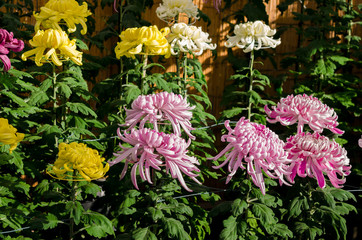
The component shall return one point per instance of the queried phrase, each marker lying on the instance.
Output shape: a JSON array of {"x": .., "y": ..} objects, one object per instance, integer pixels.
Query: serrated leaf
[
  {"x": 282, "y": 230},
  {"x": 15, "y": 98},
  {"x": 81, "y": 45},
  {"x": 238, "y": 206},
  {"x": 132, "y": 92},
  {"x": 233, "y": 112},
  {"x": 174, "y": 228},
  {"x": 156, "y": 213},
  {"x": 342, "y": 195},
  {"x": 340, "y": 59},
  {"x": 51, "y": 221},
  {"x": 80, "y": 107},
  {"x": 76, "y": 210},
  {"x": 230, "y": 229},
  {"x": 324, "y": 67},
  {"x": 295, "y": 208},
  {"x": 46, "y": 84},
  {"x": 64, "y": 89},
  {"x": 91, "y": 188},
  {"x": 98, "y": 225},
  {"x": 265, "y": 214},
  {"x": 143, "y": 234},
  {"x": 19, "y": 74}
]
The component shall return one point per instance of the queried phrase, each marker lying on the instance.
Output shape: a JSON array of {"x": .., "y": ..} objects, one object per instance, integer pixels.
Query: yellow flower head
[
  {"x": 58, "y": 46},
  {"x": 69, "y": 11},
  {"x": 77, "y": 162},
  {"x": 8, "y": 134},
  {"x": 144, "y": 40}
]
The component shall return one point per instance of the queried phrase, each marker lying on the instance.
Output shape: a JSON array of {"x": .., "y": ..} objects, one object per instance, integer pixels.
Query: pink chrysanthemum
[
  {"x": 155, "y": 149},
  {"x": 7, "y": 43},
  {"x": 360, "y": 142},
  {"x": 306, "y": 110},
  {"x": 313, "y": 154},
  {"x": 258, "y": 147},
  {"x": 159, "y": 107}
]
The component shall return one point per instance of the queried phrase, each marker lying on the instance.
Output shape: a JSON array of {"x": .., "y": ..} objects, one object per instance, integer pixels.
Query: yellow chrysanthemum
[
  {"x": 69, "y": 11},
  {"x": 144, "y": 40},
  {"x": 77, "y": 162},
  {"x": 58, "y": 46},
  {"x": 9, "y": 135}
]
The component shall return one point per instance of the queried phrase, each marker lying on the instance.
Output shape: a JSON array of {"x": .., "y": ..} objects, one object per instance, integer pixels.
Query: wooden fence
[{"x": 218, "y": 70}]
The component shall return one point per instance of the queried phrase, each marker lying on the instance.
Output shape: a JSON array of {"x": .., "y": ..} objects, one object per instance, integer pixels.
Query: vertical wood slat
[{"x": 218, "y": 70}]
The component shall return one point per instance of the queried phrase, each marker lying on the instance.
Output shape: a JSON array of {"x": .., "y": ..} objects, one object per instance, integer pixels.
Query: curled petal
[{"x": 258, "y": 147}]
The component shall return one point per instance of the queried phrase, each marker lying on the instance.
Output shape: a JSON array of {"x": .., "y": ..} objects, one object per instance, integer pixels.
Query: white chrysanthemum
[
  {"x": 252, "y": 35},
  {"x": 187, "y": 38},
  {"x": 169, "y": 9}
]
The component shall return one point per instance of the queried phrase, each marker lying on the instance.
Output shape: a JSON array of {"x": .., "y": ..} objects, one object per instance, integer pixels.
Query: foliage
[{"x": 52, "y": 105}]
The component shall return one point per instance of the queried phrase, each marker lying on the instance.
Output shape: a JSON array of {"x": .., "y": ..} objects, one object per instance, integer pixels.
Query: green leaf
[
  {"x": 143, "y": 234},
  {"x": 282, "y": 230},
  {"x": 174, "y": 228},
  {"x": 64, "y": 89},
  {"x": 51, "y": 221},
  {"x": 91, "y": 188},
  {"x": 132, "y": 92},
  {"x": 19, "y": 74},
  {"x": 324, "y": 67},
  {"x": 230, "y": 229},
  {"x": 46, "y": 84},
  {"x": 238, "y": 206},
  {"x": 15, "y": 98},
  {"x": 265, "y": 214},
  {"x": 340, "y": 59},
  {"x": 156, "y": 213},
  {"x": 342, "y": 195},
  {"x": 233, "y": 112},
  {"x": 295, "y": 208},
  {"x": 97, "y": 225},
  {"x": 76, "y": 210},
  {"x": 80, "y": 107},
  {"x": 81, "y": 45}
]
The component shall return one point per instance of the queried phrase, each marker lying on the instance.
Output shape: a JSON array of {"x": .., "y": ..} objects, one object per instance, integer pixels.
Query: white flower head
[
  {"x": 187, "y": 38},
  {"x": 252, "y": 35},
  {"x": 169, "y": 9}
]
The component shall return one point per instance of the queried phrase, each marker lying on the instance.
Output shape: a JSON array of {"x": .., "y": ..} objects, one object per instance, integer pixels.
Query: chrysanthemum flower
[
  {"x": 158, "y": 107},
  {"x": 313, "y": 154},
  {"x": 360, "y": 142},
  {"x": 56, "y": 11},
  {"x": 256, "y": 146},
  {"x": 57, "y": 45},
  {"x": 169, "y": 9},
  {"x": 155, "y": 149},
  {"x": 7, "y": 43},
  {"x": 252, "y": 36},
  {"x": 144, "y": 40},
  {"x": 77, "y": 162},
  {"x": 306, "y": 110},
  {"x": 187, "y": 38},
  {"x": 9, "y": 135}
]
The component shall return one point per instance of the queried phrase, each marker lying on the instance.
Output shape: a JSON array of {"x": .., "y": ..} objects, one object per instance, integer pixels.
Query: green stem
[
  {"x": 251, "y": 63},
  {"x": 185, "y": 76},
  {"x": 144, "y": 68},
  {"x": 55, "y": 105},
  {"x": 178, "y": 72},
  {"x": 121, "y": 65},
  {"x": 73, "y": 199}
]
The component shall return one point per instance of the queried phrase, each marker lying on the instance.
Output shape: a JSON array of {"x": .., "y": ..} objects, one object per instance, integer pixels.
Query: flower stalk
[
  {"x": 55, "y": 105},
  {"x": 144, "y": 73},
  {"x": 185, "y": 76},
  {"x": 251, "y": 63},
  {"x": 73, "y": 199}
]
